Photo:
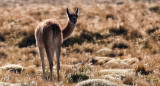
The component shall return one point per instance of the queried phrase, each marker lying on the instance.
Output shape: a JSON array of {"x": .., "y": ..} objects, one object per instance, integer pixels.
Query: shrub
[
  {"x": 120, "y": 46},
  {"x": 3, "y": 55},
  {"x": 129, "y": 79},
  {"x": 88, "y": 50},
  {"x": 27, "y": 41},
  {"x": 78, "y": 77},
  {"x": 18, "y": 70},
  {"x": 90, "y": 36},
  {"x": 37, "y": 63},
  {"x": 142, "y": 69},
  {"x": 135, "y": 34},
  {"x": 14, "y": 68},
  {"x": 110, "y": 16},
  {"x": 94, "y": 61},
  {"x": 150, "y": 31},
  {"x": 32, "y": 51},
  {"x": 30, "y": 71},
  {"x": 84, "y": 36},
  {"x": 155, "y": 9},
  {"x": 156, "y": 36},
  {"x": 118, "y": 31},
  {"x": 73, "y": 40},
  {"x": 2, "y": 38}
]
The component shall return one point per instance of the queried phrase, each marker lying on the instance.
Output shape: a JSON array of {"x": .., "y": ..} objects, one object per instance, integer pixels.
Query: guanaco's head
[{"x": 73, "y": 16}]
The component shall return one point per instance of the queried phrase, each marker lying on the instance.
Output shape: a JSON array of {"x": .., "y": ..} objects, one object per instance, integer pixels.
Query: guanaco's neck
[{"x": 68, "y": 29}]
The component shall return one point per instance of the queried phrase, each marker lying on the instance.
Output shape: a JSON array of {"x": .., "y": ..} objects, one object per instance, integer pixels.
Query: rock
[
  {"x": 96, "y": 82},
  {"x": 13, "y": 68}
]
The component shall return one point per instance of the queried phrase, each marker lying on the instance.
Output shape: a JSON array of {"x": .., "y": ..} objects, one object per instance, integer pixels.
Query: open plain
[{"x": 115, "y": 43}]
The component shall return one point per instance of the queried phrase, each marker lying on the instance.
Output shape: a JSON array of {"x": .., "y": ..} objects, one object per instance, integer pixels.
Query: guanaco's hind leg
[
  {"x": 41, "y": 53},
  {"x": 58, "y": 51},
  {"x": 50, "y": 54}
]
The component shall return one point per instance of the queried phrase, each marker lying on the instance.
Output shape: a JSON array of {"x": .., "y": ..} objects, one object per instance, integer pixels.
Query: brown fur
[
  {"x": 46, "y": 29},
  {"x": 49, "y": 36},
  {"x": 69, "y": 28}
]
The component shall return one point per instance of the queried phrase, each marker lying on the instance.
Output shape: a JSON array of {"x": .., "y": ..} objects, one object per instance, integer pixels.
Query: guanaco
[{"x": 50, "y": 36}]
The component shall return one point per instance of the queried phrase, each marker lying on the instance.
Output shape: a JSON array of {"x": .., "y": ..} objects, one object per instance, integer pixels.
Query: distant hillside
[{"x": 62, "y": 2}]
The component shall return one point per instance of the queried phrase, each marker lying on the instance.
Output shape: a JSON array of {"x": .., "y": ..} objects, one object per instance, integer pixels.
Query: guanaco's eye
[{"x": 70, "y": 16}]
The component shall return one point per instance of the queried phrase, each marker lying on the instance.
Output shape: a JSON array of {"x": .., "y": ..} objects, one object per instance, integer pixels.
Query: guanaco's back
[{"x": 47, "y": 31}]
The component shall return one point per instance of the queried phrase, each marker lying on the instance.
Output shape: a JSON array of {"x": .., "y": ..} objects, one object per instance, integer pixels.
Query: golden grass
[{"x": 130, "y": 31}]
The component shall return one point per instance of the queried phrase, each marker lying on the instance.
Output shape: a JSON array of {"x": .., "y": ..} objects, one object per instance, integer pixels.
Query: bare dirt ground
[{"x": 115, "y": 43}]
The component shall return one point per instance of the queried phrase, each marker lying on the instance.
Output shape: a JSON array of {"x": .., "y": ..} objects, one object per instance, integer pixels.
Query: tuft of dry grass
[
  {"x": 96, "y": 82},
  {"x": 155, "y": 9},
  {"x": 142, "y": 69},
  {"x": 129, "y": 79},
  {"x": 3, "y": 55}
]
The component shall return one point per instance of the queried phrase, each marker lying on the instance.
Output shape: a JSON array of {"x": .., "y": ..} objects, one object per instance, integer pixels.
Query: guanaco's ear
[
  {"x": 77, "y": 11},
  {"x": 67, "y": 11}
]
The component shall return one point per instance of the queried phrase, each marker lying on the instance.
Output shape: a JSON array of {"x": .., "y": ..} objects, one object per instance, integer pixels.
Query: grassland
[{"x": 125, "y": 36}]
